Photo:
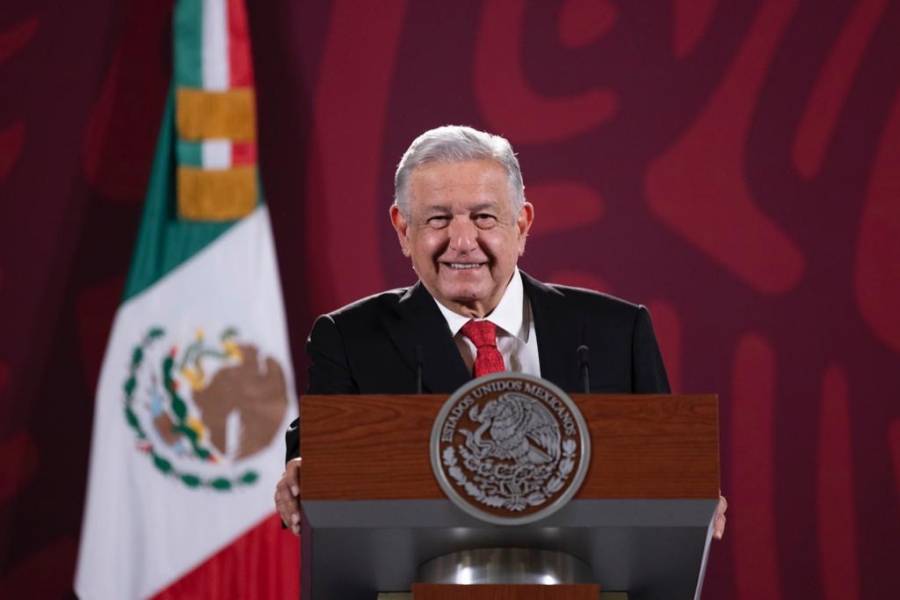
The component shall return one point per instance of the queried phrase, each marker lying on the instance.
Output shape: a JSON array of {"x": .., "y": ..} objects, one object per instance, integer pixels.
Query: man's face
[{"x": 461, "y": 232}]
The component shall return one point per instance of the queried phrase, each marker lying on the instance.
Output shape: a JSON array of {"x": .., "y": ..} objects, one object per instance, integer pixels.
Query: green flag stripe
[
  {"x": 164, "y": 242},
  {"x": 189, "y": 153},
  {"x": 188, "y": 43}
]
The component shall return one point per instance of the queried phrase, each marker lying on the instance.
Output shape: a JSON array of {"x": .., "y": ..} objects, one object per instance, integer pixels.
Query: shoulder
[
  {"x": 363, "y": 313},
  {"x": 381, "y": 302}
]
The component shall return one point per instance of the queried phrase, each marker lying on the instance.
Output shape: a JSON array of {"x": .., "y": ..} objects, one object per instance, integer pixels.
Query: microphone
[
  {"x": 584, "y": 367},
  {"x": 419, "y": 362}
]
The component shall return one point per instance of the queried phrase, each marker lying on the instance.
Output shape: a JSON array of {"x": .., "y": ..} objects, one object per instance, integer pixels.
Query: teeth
[{"x": 464, "y": 265}]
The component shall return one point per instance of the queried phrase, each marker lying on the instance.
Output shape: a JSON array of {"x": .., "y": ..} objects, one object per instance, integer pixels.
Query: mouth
[{"x": 462, "y": 266}]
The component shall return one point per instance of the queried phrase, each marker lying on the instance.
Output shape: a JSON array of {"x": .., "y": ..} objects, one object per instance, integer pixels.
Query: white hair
[{"x": 458, "y": 143}]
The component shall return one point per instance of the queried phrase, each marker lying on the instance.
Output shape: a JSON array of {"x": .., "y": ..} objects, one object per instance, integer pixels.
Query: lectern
[{"x": 376, "y": 520}]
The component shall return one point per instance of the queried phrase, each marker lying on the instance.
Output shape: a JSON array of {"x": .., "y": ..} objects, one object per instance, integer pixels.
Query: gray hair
[{"x": 458, "y": 143}]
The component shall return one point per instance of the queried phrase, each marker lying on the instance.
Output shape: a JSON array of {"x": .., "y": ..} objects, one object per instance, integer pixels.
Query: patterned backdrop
[{"x": 734, "y": 165}]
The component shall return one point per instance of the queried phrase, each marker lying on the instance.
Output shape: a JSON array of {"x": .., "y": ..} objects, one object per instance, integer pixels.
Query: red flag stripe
[
  {"x": 243, "y": 153},
  {"x": 241, "y": 69},
  {"x": 264, "y": 563}
]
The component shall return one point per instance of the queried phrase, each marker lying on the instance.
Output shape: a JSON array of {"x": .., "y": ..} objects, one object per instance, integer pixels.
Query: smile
[{"x": 462, "y": 266}]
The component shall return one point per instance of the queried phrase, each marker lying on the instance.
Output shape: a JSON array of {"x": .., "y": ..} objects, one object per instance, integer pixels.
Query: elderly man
[{"x": 461, "y": 217}]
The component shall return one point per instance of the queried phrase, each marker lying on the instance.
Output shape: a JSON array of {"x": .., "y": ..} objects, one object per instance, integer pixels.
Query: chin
[
  {"x": 463, "y": 296},
  {"x": 465, "y": 288},
  {"x": 459, "y": 293}
]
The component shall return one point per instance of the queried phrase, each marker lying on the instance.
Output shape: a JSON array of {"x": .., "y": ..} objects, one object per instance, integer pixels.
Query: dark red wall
[{"x": 734, "y": 165}]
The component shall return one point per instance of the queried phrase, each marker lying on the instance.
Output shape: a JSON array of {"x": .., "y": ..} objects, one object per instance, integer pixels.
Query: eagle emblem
[
  {"x": 510, "y": 448},
  {"x": 201, "y": 409}
]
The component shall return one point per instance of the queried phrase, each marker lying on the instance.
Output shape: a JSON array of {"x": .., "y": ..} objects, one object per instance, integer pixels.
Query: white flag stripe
[
  {"x": 143, "y": 529},
  {"x": 215, "y": 45},
  {"x": 216, "y": 154}
]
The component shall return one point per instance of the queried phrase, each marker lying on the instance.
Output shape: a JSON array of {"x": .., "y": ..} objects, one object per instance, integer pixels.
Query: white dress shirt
[{"x": 516, "y": 338}]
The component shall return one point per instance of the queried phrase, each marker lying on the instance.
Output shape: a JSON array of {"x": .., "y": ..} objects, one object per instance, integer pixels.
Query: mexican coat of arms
[{"x": 510, "y": 448}]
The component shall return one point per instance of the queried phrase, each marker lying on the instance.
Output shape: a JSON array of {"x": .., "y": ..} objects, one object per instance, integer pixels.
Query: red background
[{"x": 734, "y": 165}]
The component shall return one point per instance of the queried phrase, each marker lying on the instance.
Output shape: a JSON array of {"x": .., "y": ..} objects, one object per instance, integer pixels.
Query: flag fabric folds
[{"x": 196, "y": 384}]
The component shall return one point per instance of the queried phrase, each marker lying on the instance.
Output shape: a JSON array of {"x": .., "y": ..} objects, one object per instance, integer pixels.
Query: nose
[{"x": 463, "y": 234}]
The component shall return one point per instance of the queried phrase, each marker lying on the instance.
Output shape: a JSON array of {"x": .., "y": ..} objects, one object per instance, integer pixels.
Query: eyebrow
[{"x": 436, "y": 208}]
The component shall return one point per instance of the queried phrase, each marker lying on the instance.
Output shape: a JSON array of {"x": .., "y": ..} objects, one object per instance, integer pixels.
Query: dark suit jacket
[{"x": 369, "y": 347}]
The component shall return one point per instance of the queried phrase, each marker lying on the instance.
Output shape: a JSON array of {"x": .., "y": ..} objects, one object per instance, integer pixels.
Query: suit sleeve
[
  {"x": 329, "y": 372},
  {"x": 648, "y": 374}
]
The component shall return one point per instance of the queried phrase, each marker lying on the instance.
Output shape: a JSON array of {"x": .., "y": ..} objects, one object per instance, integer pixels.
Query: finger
[
  {"x": 286, "y": 499},
  {"x": 283, "y": 502},
  {"x": 290, "y": 507},
  {"x": 292, "y": 475},
  {"x": 719, "y": 527},
  {"x": 279, "y": 502},
  {"x": 283, "y": 485},
  {"x": 291, "y": 519},
  {"x": 284, "y": 511},
  {"x": 286, "y": 505},
  {"x": 283, "y": 498},
  {"x": 285, "y": 518}
]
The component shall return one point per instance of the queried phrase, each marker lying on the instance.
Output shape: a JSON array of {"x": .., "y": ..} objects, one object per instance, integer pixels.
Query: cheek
[
  {"x": 501, "y": 245},
  {"x": 426, "y": 246}
]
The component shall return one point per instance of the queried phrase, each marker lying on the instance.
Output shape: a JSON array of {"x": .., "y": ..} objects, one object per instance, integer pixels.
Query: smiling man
[
  {"x": 461, "y": 217},
  {"x": 464, "y": 225}
]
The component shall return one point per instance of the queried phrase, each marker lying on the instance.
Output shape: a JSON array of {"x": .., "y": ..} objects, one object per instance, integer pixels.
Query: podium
[{"x": 374, "y": 513}]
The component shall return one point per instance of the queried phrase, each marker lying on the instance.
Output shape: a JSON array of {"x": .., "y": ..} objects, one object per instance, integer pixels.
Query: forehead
[{"x": 472, "y": 181}]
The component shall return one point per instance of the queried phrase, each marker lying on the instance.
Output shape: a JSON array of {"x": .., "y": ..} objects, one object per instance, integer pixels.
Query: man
[{"x": 461, "y": 217}]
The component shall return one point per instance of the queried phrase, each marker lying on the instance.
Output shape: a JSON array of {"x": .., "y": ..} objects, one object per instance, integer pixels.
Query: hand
[
  {"x": 719, "y": 518},
  {"x": 287, "y": 495}
]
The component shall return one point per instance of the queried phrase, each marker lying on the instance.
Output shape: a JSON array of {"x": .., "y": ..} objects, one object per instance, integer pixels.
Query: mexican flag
[{"x": 196, "y": 386}]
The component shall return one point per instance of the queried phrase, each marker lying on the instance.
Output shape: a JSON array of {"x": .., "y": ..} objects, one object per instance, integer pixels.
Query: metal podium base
[
  {"x": 506, "y": 566},
  {"x": 409, "y": 596}
]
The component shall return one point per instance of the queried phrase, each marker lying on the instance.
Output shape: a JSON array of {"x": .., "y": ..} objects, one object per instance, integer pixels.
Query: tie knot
[{"x": 482, "y": 333}]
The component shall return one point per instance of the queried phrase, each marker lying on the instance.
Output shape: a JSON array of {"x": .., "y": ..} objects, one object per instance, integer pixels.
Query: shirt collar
[{"x": 508, "y": 315}]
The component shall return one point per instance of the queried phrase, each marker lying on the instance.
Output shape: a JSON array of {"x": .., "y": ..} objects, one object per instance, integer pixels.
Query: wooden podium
[{"x": 373, "y": 511}]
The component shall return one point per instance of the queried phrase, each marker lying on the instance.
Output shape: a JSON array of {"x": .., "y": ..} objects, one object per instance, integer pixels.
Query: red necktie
[{"x": 484, "y": 335}]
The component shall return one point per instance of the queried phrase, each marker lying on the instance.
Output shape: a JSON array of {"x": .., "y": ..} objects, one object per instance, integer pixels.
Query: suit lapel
[
  {"x": 559, "y": 333},
  {"x": 418, "y": 322}
]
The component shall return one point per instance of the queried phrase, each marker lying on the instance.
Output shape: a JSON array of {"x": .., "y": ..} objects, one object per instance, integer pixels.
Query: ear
[
  {"x": 524, "y": 221},
  {"x": 401, "y": 226}
]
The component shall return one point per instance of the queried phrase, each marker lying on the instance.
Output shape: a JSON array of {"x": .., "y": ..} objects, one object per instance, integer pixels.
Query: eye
[
  {"x": 484, "y": 220},
  {"x": 438, "y": 221}
]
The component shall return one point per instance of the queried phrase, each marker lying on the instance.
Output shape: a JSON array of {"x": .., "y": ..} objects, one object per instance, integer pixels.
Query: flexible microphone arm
[
  {"x": 584, "y": 367},
  {"x": 419, "y": 362}
]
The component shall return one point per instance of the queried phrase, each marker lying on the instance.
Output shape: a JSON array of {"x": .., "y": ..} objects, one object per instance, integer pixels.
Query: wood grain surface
[{"x": 357, "y": 447}]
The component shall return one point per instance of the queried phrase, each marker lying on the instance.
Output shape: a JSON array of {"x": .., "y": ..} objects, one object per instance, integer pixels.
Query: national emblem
[{"x": 510, "y": 448}]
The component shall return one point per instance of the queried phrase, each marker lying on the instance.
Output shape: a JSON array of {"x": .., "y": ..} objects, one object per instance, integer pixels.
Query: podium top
[{"x": 376, "y": 447}]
